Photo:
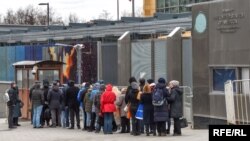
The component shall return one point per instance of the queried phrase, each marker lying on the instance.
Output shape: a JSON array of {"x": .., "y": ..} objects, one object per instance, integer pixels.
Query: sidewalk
[{"x": 27, "y": 133}]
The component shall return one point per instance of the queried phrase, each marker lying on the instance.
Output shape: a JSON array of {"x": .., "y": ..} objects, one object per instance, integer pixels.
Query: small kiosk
[{"x": 27, "y": 72}]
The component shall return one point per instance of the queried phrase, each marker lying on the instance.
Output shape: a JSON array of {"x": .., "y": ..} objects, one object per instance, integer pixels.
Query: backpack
[
  {"x": 157, "y": 98},
  {"x": 6, "y": 97}
]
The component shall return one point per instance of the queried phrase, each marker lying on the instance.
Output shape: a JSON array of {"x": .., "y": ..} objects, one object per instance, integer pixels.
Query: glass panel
[
  {"x": 184, "y": 9},
  {"x": 50, "y": 75},
  {"x": 31, "y": 79},
  {"x": 19, "y": 78},
  {"x": 25, "y": 79},
  {"x": 220, "y": 76},
  {"x": 185, "y": 2},
  {"x": 160, "y": 4},
  {"x": 166, "y": 10},
  {"x": 174, "y": 3},
  {"x": 245, "y": 84},
  {"x": 167, "y": 3},
  {"x": 174, "y": 10}
]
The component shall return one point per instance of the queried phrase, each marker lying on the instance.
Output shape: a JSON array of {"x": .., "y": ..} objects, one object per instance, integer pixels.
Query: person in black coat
[
  {"x": 134, "y": 103},
  {"x": 73, "y": 104},
  {"x": 176, "y": 106},
  {"x": 148, "y": 109},
  {"x": 129, "y": 88},
  {"x": 11, "y": 104},
  {"x": 161, "y": 114}
]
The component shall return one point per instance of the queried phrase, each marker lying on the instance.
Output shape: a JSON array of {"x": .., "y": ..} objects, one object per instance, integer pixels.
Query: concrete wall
[{"x": 224, "y": 44}]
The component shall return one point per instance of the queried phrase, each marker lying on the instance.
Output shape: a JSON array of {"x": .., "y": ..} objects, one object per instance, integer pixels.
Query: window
[
  {"x": 160, "y": 4},
  {"x": 220, "y": 76},
  {"x": 50, "y": 75}
]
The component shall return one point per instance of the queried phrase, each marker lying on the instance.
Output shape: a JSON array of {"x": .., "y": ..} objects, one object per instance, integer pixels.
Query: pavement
[{"x": 27, "y": 133}]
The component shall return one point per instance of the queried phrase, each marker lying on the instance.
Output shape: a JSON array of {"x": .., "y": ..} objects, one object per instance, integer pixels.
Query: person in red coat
[{"x": 107, "y": 108}]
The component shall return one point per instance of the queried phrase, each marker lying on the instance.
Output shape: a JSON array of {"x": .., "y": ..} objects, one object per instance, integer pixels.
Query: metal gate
[
  {"x": 188, "y": 104},
  {"x": 237, "y": 98}
]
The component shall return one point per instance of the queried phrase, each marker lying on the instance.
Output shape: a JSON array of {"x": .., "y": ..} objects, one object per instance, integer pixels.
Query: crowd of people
[{"x": 146, "y": 105}]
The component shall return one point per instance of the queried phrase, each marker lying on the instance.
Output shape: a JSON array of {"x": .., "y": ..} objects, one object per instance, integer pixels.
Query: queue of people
[{"x": 104, "y": 107}]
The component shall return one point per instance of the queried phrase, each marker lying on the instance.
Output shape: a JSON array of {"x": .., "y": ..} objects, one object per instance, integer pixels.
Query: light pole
[
  {"x": 133, "y": 8},
  {"x": 47, "y": 12},
  {"x": 79, "y": 48},
  {"x": 117, "y": 10}
]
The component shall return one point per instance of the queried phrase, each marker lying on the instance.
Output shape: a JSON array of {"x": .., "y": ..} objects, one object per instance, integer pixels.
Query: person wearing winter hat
[{"x": 161, "y": 113}]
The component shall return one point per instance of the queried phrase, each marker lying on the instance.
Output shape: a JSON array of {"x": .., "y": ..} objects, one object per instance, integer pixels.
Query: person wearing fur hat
[{"x": 161, "y": 112}]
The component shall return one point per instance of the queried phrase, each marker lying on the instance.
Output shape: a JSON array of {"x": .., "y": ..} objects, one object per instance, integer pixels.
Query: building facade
[{"x": 167, "y": 6}]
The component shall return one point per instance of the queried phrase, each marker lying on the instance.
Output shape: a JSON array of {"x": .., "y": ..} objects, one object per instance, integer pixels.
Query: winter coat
[
  {"x": 97, "y": 102},
  {"x": 94, "y": 92},
  {"x": 55, "y": 97},
  {"x": 175, "y": 101},
  {"x": 129, "y": 90},
  {"x": 12, "y": 96},
  {"x": 71, "y": 96},
  {"x": 81, "y": 95},
  {"x": 132, "y": 99},
  {"x": 107, "y": 100},
  {"x": 87, "y": 102},
  {"x": 120, "y": 103},
  {"x": 161, "y": 113},
  {"x": 148, "y": 108},
  {"x": 37, "y": 96},
  {"x": 17, "y": 108}
]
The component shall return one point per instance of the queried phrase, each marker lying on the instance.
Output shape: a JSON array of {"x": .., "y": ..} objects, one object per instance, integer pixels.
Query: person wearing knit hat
[
  {"x": 162, "y": 80},
  {"x": 161, "y": 113}
]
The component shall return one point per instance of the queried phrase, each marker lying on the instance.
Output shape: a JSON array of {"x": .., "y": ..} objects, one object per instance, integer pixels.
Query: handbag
[
  {"x": 183, "y": 122},
  {"x": 139, "y": 112}
]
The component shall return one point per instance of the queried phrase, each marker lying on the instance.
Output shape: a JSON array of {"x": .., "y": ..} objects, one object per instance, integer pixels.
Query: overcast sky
[{"x": 85, "y": 9}]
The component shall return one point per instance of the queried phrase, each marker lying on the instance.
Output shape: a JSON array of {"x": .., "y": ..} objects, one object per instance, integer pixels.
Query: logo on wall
[
  {"x": 228, "y": 21},
  {"x": 200, "y": 23}
]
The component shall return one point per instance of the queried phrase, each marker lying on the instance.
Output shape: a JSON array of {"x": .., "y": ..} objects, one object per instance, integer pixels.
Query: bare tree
[
  {"x": 139, "y": 12},
  {"x": 105, "y": 15},
  {"x": 10, "y": 17},
  {"x": 126, "y": 14},
  {"x": 73, "y": 18},
  {"x": 20, "y": 15},
  {"x": 1, "y": 18}
]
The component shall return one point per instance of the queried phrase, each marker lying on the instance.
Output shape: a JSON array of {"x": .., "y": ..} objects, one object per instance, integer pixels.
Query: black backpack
[{"x": 158, "y": 97}]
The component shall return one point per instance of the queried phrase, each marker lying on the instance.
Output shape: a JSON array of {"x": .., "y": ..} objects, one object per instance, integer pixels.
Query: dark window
[{"x": 220, "y": 76}]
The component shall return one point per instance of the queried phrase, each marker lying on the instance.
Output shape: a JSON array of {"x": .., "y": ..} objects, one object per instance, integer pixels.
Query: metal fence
[
  {"x": 237, "y": 96},
  {"x": 188, "y": 104}
]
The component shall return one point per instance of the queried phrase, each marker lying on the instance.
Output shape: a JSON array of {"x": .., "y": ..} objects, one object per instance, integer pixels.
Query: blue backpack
[{"x": 158, "y": 98}]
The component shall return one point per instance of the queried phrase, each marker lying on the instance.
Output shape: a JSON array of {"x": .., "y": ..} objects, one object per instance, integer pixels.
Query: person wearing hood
[
  {"x": 107, "y": 108},
  {"x": 73, "y": 104},
  {"x": 97, "y": 103},
  {"x": 134, "y": 103},
  {"x": 176, "y": 105},
  {"x": 37, "y": 100},
  {"x": 129, "y": 88},
  {"x": 80, "y": 97},
  {"x": 95, "y": 91},
  {"x": 55, "y": 97},
  {"x": 161, "y": 114}
]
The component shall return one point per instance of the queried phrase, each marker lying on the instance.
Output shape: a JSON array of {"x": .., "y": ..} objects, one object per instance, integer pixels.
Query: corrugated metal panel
[
  {"x": 11, "y": 53},
  {"x": 3, "y": 58},
  {"x": 109, "y": 63},
  {"x": 160, "y": 47},
  {"x": 187, "y": 65},
  {"x": 141, "y": 59},
  {"x": 20, "y": 53}
]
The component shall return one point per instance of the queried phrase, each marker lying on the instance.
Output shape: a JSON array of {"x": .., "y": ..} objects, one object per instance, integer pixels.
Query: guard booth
[{"x": 27, "y": 72}]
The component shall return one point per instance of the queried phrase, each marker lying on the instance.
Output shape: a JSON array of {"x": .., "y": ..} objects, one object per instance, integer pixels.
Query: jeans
[
  {"x": 63, "y": 118},
  {"x": 67, "y": 116},
  {"x": 37, "y": 115},
  {"x": 10, "y": 116},
  {"x": 108, "y": 118},
  {"x": 88, "y": 122},
  {"x": 97, "y": 126}
]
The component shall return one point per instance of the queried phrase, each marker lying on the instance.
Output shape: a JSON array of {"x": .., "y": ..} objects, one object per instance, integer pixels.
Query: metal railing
[{"x": 237, "y": 96}]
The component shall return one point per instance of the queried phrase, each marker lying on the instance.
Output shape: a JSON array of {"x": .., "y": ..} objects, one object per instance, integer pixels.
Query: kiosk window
[{"x": 220, "y": 76}]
